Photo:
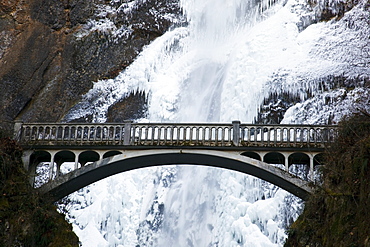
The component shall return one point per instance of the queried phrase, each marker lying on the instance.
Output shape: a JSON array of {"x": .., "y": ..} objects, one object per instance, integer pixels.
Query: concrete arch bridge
[{"x": 101, "y": 150}]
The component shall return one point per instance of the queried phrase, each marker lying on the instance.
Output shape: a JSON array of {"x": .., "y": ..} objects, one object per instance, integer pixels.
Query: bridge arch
[
  {"x": 135, "y": 159},
  {"x": 60, "y": 158}
]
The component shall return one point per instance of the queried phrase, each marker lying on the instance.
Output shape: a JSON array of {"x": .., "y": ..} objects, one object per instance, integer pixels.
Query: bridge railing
[
  {"x": 174, "y": 134},
  {"x": 66, "y": 133},
  {"x": 181, "y": 134},
  {"x": 287, "y": 135}
]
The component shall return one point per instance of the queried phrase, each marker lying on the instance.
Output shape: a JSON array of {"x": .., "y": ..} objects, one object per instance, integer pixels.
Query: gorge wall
[{"x": 51, "y": 53}]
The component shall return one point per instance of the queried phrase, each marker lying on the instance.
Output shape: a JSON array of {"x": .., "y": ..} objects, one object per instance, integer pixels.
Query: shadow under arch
[
  {"x": 299, "y": 158},
  {"x": 111, "y": 153},
  {"x": 88, "y": 156},
  {"x": 274, "y": 158},
  {"x": 319, "y": 159},
  {"x": 252, "y": 155},
  {"x": 134, "y": 159},
  {"x": 38, "y": 157},
  {"x": 64, "y": 156}
]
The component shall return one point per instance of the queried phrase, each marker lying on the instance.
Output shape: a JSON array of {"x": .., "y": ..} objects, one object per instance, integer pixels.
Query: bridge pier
[
  {"x": 26, "y": 158},
  {"x": 76, "y": 161},
  {"x": 286, "y": 156},
  {"x": 51, "y": 165}
]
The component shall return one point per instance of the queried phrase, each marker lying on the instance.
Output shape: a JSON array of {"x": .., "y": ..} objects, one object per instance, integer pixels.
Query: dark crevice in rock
[
  {"x": 327, "y": 10},
  {"x": 274, "y": 107},
  {"x": 132, "y": 107}
]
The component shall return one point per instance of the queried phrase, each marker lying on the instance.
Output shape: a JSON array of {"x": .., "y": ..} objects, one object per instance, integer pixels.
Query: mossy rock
[{"x": 25, "y": 218}]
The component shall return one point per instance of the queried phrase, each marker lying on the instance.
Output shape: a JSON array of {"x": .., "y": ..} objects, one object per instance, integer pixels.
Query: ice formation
[{"x": 219, "y": 68}]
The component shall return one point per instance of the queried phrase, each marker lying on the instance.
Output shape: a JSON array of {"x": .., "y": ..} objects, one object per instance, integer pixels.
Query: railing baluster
[
  {"x": 222, "y": 136},
  {"x": 171, "y": 128},
  {"x": 165, "y": 135},
  {"x": 153, "y": 128},
  {"x": 203, "y": 135},
  {"x": 63, "y": 129},
  {"x": 95, "y": 133},
  {"x": 178, "y": 135},
  {"x": 190, "y": 135},
  {"x": 140, "y": 133}
]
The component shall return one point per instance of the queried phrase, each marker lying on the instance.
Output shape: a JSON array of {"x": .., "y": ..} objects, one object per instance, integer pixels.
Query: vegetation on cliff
[
  {"x": 26, "y": 219},
  {"x": 338, "y": 214}
]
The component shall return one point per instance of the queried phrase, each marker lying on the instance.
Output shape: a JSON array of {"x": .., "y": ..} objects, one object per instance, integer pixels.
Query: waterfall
[
  {"x": 218, "y": 68},
  {"x": 210, "y": 60},
  {"x": 199, "y": 73},
  {"x": 215, "y": 27},
  {"x": 207, "y": 206}
]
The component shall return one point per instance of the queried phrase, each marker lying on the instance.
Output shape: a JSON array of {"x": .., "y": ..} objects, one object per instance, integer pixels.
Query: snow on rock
[{"x": 329, "y": 107}]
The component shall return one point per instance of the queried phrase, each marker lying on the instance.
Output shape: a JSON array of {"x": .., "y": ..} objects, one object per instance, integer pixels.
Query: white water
[{"x": 218, "y": 68}]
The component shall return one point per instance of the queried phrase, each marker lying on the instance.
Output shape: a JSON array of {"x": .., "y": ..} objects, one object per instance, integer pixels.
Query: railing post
[
  {"x": 236, "y": 132},
  {"x": 127, "y": 133},
  {"x": 17, "y": 130},
  {"x": 311, "y": 172}
]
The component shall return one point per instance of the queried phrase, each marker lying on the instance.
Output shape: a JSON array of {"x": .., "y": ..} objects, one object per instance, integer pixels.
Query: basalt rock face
[{"x": 50, "y": 52}]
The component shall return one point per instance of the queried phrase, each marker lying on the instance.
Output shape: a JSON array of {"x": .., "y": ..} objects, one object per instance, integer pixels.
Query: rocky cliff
[{"x": 51, "y": 52}]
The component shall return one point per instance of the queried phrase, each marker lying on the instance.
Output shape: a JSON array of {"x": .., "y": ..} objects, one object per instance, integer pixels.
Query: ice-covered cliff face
[{"x": 220, "y": 67}]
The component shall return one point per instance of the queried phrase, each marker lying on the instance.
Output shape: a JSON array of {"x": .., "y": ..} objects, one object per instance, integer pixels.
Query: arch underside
[{"x": 135, "y": 159}]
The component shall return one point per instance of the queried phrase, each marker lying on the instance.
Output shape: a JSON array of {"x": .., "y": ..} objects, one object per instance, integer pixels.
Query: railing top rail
[
  {"x": 72, "y": 124},
  {"x": 182, "y": 124},
  {"x": 289, "y": 125}
]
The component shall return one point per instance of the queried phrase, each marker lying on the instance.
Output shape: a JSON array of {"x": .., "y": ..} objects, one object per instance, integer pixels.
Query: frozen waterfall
[{"x": 218, "y": 68}]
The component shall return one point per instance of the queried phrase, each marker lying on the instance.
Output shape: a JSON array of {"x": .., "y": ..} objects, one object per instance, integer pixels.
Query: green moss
[
  {"x": 25, "y": 218},
  {"x": 338, "y": 214}
]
